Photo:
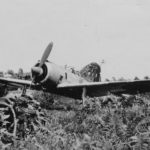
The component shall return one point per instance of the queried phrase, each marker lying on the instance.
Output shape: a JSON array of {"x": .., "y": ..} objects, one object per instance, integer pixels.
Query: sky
[{"x": 82, "y": 31}]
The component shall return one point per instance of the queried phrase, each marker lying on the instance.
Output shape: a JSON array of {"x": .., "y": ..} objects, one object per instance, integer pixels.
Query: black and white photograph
[{"x": 74, "y": 75}]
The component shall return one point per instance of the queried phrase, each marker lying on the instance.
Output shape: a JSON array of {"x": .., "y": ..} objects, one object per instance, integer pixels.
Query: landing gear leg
[
  {"x": 5, "y": 90},
  {"x": 24, "y": 91},
  {"x": 83, "y": 96}
]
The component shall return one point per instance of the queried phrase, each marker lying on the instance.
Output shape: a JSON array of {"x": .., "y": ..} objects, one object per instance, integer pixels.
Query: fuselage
[
  {"x": 56, "y": 74},
  {"x": 53, "y": 75}
]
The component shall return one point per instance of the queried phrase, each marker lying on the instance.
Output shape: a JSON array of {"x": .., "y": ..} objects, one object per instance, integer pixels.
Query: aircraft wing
[
  {"x": 95, "y": 89},
  {"x": 15, "y": 82}
]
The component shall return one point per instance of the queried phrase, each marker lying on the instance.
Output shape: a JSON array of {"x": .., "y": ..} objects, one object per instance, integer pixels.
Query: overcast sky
[{"x": 83, "y": 31}]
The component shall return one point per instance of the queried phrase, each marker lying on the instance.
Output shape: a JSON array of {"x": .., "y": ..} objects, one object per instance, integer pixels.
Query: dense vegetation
[{"x": 42, "y": 121}]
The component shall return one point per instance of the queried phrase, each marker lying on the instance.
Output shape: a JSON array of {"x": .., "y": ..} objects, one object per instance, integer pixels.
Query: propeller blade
[{"x": 46, "y": 54}]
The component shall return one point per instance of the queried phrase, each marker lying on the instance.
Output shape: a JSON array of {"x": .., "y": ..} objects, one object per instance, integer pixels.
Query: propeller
[
  {"x": 37, "y": 70},
  {"x": 46, "y": 54}
]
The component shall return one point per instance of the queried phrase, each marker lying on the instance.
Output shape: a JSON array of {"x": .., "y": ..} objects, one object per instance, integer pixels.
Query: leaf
[
  {"x": 3, "y": 130},
  {"x": 5, "y": 123},
  {"x": 5, "y": 117}
]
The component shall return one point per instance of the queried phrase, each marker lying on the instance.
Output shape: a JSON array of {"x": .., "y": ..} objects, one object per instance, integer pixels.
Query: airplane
[{"x": 52, "y": 78}]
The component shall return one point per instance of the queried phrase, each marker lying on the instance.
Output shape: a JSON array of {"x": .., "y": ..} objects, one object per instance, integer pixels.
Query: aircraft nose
[{"x": 36, "y": 71}]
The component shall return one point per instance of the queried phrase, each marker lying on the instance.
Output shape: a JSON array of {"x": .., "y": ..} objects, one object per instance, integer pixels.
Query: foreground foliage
[{"x": 106, "y": 123}]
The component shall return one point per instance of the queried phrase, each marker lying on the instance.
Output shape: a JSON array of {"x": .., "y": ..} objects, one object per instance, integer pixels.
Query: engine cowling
[{"x": 50, "y": 76}]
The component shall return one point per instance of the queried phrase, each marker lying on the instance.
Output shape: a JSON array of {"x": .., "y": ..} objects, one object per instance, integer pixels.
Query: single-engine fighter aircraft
[{"x": 52, "y": 78}]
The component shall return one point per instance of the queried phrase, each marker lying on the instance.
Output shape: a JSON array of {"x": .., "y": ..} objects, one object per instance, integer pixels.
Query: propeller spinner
[{"x": 37, "y": 70}]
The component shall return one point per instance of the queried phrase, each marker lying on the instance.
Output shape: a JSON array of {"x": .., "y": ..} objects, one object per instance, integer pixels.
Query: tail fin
[{"x": 91, "y": 72}]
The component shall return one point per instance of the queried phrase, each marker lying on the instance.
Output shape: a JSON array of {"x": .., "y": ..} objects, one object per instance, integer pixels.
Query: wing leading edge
[
  {"x": 15, "y": 82},
  {"x": 95, "y": 89}
]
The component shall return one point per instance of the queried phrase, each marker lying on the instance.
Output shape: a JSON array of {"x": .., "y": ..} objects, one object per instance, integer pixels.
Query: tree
[
  {"x": 146, "y": 77},
  {"x": 11, "y": 72},
  {"x": 114, "y": 79},
  {"x": 1, "y": 74},
  {"x": 20, "y": 73},
  {"x": 122, "y": 79},
  {"x": 136, "y": 78},
  {"x": 107, "y": 80}
]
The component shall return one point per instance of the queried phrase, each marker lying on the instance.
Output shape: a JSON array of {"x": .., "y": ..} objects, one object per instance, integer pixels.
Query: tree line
[{"x": 19, "y": 75}]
